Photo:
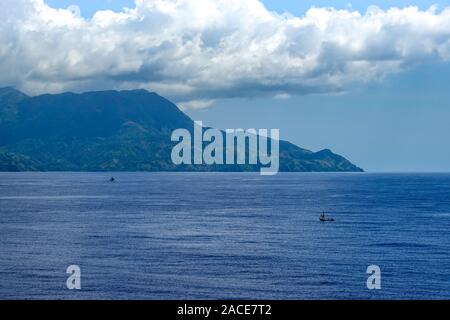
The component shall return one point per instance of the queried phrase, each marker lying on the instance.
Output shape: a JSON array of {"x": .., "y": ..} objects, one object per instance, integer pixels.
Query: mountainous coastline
[{"x": 114, "y": 131}]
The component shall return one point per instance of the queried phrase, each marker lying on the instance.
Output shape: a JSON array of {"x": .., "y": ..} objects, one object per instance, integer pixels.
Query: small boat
[
  {"x": 112, "y": 179},
  {"x": 324, "y": 218}
]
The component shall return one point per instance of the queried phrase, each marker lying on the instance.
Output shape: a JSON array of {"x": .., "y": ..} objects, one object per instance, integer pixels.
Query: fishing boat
[{"x": 324, "y": 218}]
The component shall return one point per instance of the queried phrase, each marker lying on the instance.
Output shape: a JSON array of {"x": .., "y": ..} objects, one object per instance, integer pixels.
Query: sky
[
  {"x": 89, "y": 7},
  {"x": 369, "y": 80}
]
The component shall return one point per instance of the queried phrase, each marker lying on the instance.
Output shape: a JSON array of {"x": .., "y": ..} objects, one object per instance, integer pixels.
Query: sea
[{"x": 224, "y": 235}]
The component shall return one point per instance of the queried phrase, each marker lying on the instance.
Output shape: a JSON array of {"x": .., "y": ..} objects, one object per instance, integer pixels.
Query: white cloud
[
  {"x": 198, "y": 51},
  {"x": 282, "y": 96},
  {"x": 196, "y": 104}
]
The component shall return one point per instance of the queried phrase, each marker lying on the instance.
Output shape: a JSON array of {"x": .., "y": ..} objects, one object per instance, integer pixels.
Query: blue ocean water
[{"x": 224, "y": 235}]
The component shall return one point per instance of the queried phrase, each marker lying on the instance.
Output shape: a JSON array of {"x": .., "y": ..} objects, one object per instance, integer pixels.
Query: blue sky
[
  {"x": 299, "y": 7},
  {"x": 296, "y": 7},
  {"x": 401, "y": 123},
  {"x": 89, "y": 7}
]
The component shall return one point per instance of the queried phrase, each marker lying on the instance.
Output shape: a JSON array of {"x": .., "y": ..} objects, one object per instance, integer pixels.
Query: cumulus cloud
[{"x": 198, "y": 51}]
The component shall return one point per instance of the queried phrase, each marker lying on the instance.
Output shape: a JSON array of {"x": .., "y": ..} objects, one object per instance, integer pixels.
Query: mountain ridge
[{"x": 114, "y": 131}]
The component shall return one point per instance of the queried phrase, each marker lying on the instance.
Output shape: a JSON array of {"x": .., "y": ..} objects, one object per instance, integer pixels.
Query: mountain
[
  {"x": 113, "y": 131},
  {"x": 9, "y": 98}
]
